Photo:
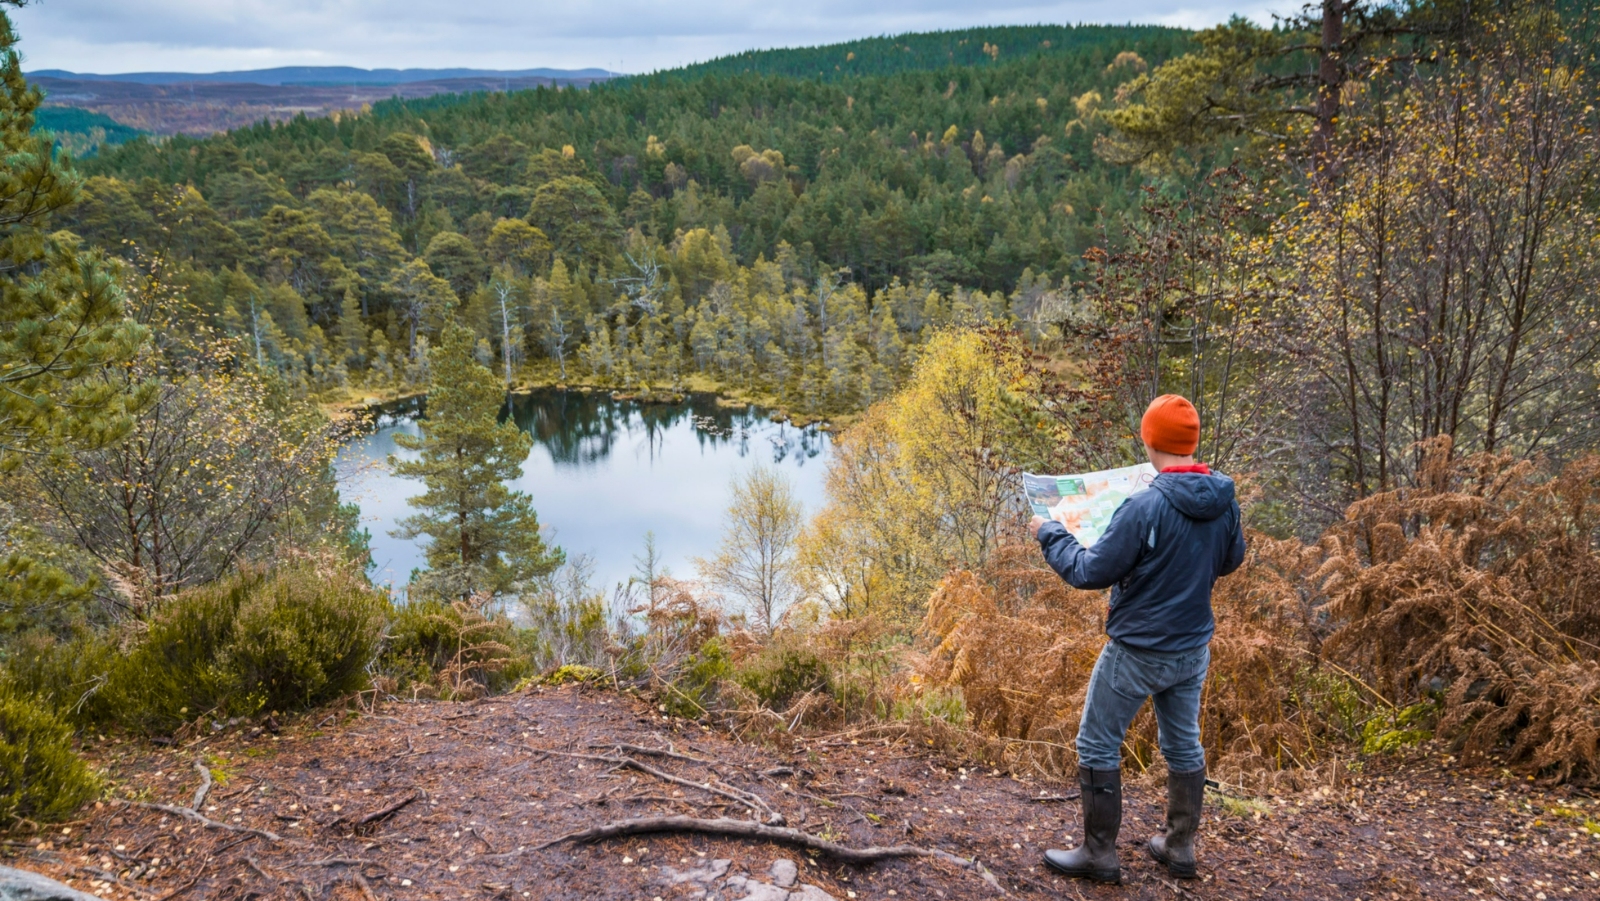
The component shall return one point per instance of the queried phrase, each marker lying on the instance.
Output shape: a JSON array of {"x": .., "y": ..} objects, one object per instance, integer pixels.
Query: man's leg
[
  {"x": 1178, "y": 716},
  {"x": 1106, "y": 715}
]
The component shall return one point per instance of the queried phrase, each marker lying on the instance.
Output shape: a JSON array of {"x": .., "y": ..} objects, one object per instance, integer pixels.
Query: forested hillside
[
  {"x": 967, "y": 47},
  {"x": 787, "y": 235}
]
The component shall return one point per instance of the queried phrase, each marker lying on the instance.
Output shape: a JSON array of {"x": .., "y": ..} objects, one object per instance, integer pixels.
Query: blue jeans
[{"x": 1123, "y": 677}]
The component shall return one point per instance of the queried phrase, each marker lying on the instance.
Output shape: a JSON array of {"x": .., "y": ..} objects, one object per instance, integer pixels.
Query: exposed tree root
[
  {"x": 748, "y": 829},
  {"x": 205, "y": 786},
  {"x": 732, "y": 793},
  {"x": 194, "y": 815}
]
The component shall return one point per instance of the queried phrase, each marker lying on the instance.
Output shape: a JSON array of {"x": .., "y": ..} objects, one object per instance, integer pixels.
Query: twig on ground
[
  {"x": 105, "y": 876},
  {"x": 747, "y": 829},
  {"x": 658, "y": 752},
  {"x": 383, "y": 812},
  {"x": 205, "y": 785},
  {"x": 203, "y": 820},
  {"x": 256, "y": 865},
  {"x": 1045, "y": 799},
  {"x": 479, "y": 836},
  {"x": 747, "y": 799},
  {"x": 181, "y": 889}
]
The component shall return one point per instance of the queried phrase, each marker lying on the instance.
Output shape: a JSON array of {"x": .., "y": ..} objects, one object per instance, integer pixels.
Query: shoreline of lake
[
  {"x": 364, "y": 400},
  {"x": 603, "y": 471}
]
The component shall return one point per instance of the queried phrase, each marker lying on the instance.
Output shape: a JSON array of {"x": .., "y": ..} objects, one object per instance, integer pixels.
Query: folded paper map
[{"x": 1084, "y": 502}]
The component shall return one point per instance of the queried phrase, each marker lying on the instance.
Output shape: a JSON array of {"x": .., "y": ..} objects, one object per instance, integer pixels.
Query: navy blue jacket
[{"x": 1160, "y": 555}]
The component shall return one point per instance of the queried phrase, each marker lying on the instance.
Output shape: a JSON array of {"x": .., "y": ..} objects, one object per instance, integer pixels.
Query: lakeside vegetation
[{"x": 1370, "y": 265}]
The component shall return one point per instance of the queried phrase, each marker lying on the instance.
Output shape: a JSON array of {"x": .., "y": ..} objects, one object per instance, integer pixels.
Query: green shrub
[
  {"x": 564, "y": 627},
  {"x": 41, "y": 778},
  {"x": 693, "y": 689},
  {"x": 571, "y": 672},
  {"x": 931, "y": 704},
  {"x": 781, "y": 672},
  {"x": 304, "y": 637},
  {"x": 294, "y": 637},
  {"x": 457, "y": 649},
  {"x": 172, "y": 673},
  {"x": 66, "y": 674},
  {"x": 1404, "y": 728}
]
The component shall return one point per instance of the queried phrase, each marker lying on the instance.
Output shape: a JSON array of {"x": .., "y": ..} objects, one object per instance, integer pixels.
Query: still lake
[{"x": 602, "y": 473}]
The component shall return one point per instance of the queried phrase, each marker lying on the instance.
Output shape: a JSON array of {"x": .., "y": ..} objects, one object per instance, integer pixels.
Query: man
[{"x": 1160, "y": 555}]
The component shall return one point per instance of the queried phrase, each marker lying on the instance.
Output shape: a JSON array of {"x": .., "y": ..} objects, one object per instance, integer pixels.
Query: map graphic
[{"x": 1084, "y": 502}]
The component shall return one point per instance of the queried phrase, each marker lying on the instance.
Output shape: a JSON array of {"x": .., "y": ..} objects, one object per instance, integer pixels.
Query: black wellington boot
[
  {"x": 1175, "y": 846},
  {"x": 1096, "y": 858}
]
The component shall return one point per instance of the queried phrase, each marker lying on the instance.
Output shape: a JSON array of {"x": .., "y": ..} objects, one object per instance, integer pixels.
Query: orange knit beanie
[{"x": 1171, "y": 425}]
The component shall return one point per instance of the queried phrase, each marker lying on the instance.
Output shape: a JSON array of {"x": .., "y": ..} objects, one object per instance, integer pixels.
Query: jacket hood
[{"x": 1195, "y": 495}]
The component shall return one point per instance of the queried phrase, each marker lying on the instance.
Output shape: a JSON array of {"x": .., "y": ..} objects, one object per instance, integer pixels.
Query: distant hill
[
  {"x": 80, "y": 131},
  {"x": 202, "y": 107},
  {"x": 969, "y": 47},
  {"x": 325, "y": 76}
]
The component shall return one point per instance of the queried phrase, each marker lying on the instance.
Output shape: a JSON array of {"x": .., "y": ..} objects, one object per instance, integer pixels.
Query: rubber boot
[
  {"x": 1096, "y": 858},
  {"x": 1175, "y": 845}
]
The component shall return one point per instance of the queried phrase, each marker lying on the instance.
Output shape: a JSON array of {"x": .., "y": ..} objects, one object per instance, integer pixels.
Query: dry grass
[{"x": 1477, "y": 592}]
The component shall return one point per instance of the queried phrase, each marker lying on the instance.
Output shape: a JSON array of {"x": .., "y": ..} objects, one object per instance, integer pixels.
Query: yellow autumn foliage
[{"x": 916, "y": 486}]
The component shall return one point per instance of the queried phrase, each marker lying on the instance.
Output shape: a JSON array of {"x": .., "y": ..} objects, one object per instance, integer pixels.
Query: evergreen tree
[
  {"x": 61, "y": 315},
  {"x": 484, "y": 536}
]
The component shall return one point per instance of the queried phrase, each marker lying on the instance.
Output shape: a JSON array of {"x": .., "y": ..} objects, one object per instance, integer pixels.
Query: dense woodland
[
  {"x": 1364, "y": 242},
  {"x": 782, "y": 235}
]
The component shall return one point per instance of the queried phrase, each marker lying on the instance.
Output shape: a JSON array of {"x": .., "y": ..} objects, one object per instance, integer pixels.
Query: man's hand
[{"x": 1034, "y": 524}]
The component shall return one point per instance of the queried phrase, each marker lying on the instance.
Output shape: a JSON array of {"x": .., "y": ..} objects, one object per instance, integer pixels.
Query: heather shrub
[
  {"x": 169, "y": 671},
  {"x": 41, "y": 778},
  {"x": 296, "y": 636},
  {"x": 303, "y": 637},
  {"x": 694, "y": 685},
  {"x": 64, "y": 673},
  {"x": 781, "y": 672}
]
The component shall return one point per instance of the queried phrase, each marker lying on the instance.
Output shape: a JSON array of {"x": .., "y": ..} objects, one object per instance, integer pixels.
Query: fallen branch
[
  {"x": 658, "y": 752},
  {"x": 747, "y": 829},
  {"x": 1045, "y": 799},
  {"x": 744, "y": 798},
  {"x": 205, "y": 785},
  {"x": 196, "y": 816}
]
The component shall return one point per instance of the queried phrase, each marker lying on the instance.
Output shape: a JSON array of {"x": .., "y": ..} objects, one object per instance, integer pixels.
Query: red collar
[{"x": 1197, "y": 467}]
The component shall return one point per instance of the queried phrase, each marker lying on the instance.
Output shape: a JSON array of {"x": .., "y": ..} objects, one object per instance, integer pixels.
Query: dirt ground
[{"x": 486, "y": 786}]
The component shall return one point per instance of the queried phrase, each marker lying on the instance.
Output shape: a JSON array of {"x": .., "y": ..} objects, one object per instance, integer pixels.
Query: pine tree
[
  {"x": 484, "y": 536},
  {"x": 61, "y": 315}
]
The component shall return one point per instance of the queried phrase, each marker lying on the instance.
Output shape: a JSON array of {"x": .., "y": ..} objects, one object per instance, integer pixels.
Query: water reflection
[
  {"x": 581, "y": 428},
  {"x": 603, "y": 472}
]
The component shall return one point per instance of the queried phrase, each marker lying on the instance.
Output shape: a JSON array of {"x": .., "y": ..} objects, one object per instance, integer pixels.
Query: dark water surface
[{"x": 602, "y": 473}]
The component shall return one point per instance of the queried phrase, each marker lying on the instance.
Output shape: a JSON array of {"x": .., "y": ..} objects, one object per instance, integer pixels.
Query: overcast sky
[{"x": 108, "y": 36}]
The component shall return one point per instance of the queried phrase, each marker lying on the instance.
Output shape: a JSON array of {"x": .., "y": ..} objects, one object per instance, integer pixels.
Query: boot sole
[
  {"x": 1175, "y": 870},
  {"x": 1109, "y": 877}
]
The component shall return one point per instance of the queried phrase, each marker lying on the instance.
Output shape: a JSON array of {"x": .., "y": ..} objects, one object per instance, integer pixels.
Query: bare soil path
[{"x": 437, "y": 800}]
